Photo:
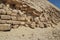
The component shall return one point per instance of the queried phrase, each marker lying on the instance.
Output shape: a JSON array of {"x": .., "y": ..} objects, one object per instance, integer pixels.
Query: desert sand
[{"x": 26, "y": 33}]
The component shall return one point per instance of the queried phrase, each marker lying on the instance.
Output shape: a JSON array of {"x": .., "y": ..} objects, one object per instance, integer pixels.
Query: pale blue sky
[{"x": 55, "y": 2}]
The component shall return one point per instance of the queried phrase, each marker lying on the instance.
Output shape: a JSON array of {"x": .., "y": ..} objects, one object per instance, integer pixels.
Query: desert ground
[{"x": 26, "y": 33}]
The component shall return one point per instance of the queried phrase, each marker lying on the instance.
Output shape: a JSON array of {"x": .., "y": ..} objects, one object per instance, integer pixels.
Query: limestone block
[
  {"x": 24, "y": 6},
  {"x": 9, "y": 12},
  {"x": 13, "y": 22},
  {"x": 21, "y": 18},
  {"x": 16, "y": 22},
  {"x": 22, "y": 23},
  {"x": 7, "y": 17},
  {"x": 5, "y": 27},
  {"x": 13, "y": 17},
  {"x": 14, "y": 12},
  {"x": 2, "y": 11},
  {"x": 15, "y": 26},
  {"x": 33, "y": 25},
  {"x": 36, "y": 19},
  {"x": 1, "y": 5},
  {"x": 9, "y": 21},
  {"x": 3, "y": 21},
  {"x": 41, "y": 25},
  {"x": 20, "y": 13}
]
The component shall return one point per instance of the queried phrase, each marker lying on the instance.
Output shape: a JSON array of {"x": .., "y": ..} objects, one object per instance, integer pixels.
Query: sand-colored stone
[
  {"x": 34, "y": 13},
  {"x": 5, "y": 27},
  {"x": 6, "y": 17}
]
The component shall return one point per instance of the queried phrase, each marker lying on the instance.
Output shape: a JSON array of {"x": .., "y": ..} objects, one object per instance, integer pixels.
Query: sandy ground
[{"x": 25, "y": 33}]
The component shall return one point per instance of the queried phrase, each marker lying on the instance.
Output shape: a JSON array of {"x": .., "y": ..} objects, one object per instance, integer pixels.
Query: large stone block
[
  {"x": 5, "y": 27},
  {"x": 3, "y": 21},
  {"x": 16, "y": 22},
  {"x": 9, "y": 21},
  {"x": 13, "y": 22},
  {"x": 21, "y": 18},
  {"x": 7, "y": 17},
  {"x": 14, "y": 14}
]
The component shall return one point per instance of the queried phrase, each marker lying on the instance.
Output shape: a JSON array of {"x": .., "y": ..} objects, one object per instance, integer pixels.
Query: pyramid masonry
[{"x": 28, "y": 13}]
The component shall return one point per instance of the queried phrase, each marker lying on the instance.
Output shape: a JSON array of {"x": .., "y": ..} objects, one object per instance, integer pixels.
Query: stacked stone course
[{"x": 24, "y": 15}]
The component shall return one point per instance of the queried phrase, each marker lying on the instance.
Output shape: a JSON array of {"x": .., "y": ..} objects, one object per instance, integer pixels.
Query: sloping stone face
[{"x": 28, "y": 14}]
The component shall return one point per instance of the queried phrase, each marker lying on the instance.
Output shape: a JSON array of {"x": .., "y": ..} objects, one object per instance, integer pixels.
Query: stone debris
[{"x": 20, "y": 13}]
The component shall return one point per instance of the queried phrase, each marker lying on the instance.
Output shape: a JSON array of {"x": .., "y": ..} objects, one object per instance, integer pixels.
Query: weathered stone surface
[
  {"x": 7, "y": 17},
  {"x": 1, "y": 6},
  {"x": 5, "y": 27},
  {"x": 28, "y": 18},
  {"x": 13, "y": 22},
  {"x": 14, "y": 12},
  {"x": 16, "y": 22},
  {"x": 20, "y": 13},
  {"x": 29, "y": 13},
  {"x": 3, "y": 21},
  {"x": 15, "y": 26},
  {"x": 33, "y": 25},
  {"x": 41, "y": 24},
  {"x": 36, "y": 19},
  {"x": 2, "y": 11},
  {"x": 9, "y": 12},
  {"x": 9, "y": 21},
  {"x": 22, "y": 23},
  {"x": 21, "y": 18},
  {"x": 13, "y": 17}
]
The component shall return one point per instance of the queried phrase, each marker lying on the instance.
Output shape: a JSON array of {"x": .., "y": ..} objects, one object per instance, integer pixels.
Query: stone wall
[{"x": 22, "y": 14}]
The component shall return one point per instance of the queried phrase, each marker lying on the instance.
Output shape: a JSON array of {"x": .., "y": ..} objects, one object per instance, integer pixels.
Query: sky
[{"x": 55, "y": 2}]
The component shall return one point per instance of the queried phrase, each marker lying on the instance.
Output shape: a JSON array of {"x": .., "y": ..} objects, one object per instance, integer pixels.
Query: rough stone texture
[
  {"x": 21, "y": 18},
  {"x": 14, "y": 18},
  {"x": 2, "y": 11},
  {"x": 5, "y": 27},
  {"x": 31, "y": 13},
  {"x": 3, "y": 21},
  {"x": 15, "y": 26},
  {"x": 37, "y": 20},
  {"x": 5, "y": 17}
]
